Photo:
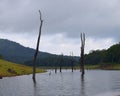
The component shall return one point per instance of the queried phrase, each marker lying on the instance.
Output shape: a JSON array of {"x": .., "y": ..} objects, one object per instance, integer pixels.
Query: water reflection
[
  {"x": 67, "y": 83},
  {"x": 35, "y": 89},
  {"x": 115, "y": 81},
  {"x": 82, "y": 92}
]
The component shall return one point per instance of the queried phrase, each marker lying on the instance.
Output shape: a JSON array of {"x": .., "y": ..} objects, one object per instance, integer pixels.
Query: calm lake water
[{"x": 95, "y": 83}]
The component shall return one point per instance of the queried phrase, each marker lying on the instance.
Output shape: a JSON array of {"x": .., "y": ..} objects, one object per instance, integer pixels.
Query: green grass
[
  {"x": 110, "y": 66},
  {"x": 88, "y": 67},
  {"x": 91, "y": 66},
  {"x": 117, "y": 67},
  {"x": 11, "y": 69},
  {"x": 104, "y": 67}
]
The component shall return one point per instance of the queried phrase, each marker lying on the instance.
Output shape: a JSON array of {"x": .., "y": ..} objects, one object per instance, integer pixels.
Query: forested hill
[
  {"x": 111, "y": 55},
  {"x": 14, "y": 52},
  {"x": 108, "y": 56},
  {"x": 17, "y": 53},
  {"x": 0, "y": 56}
]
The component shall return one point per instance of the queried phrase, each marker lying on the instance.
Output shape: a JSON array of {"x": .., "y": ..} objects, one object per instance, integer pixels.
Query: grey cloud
[{"x": 97, "y": 18}]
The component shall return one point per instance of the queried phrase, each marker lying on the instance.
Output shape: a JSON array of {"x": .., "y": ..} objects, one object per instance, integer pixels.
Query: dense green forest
[
  {"x": 95, "y": 57},
  {"x": 111, "y": 55},
  {"x": 0, "y": 56},
  {"x": 14, "y": 52},
  {"x": 54, "y": 61}
]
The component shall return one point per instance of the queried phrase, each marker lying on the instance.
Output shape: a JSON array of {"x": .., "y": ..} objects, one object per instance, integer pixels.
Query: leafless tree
[
  {"x": 56, "y": 64},
  {"x": 82, "y": 53},
  {"x": 37, "y": 48},
  {"x": 72, "y": 60},
  {"x": 55, "y": 69},
  {"x": 61, "y": 61}
]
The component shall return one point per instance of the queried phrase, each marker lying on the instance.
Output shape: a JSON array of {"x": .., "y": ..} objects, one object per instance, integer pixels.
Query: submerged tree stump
[
  {"x": 61, "y": 61},
  {"x": 55, "y": 69},
  {"x": 0, "y": 77},
  {"x": 72, "y": 61}
]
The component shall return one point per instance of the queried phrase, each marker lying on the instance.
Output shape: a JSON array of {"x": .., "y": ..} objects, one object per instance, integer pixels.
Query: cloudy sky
[{"x": 64, "y": 20}]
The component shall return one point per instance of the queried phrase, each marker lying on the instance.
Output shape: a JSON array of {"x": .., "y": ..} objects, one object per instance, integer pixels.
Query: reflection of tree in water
[
  {"x": 115, "y": 85},
  {"x": 35, "y": 89},
  {"x": 82, "y": 91}
]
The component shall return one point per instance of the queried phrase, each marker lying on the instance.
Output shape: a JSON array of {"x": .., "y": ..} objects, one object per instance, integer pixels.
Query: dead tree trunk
[
  {"x": 72, "y": 61},
  {"x": 60, "y": 66},
  {"x": 37, "y": 48},
  {"x": 55, "y": 69},
  {"x": 61, "y": 61},
  {"x": 82, "y": 53}
]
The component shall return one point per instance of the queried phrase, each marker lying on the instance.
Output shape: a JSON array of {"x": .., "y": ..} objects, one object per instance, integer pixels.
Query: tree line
[
  {"x": 54, "y": 61},
  {"x": 110, "y": 55},
  {"x": 1, "y": 57}
]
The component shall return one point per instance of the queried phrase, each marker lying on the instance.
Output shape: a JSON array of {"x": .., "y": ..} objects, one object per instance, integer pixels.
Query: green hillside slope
[
  {"x": 9, "y": 51},
  {"x": 108, "y": 56},
  {"x": 12, "y": 69},
  {"x": 14, "y": 52}
]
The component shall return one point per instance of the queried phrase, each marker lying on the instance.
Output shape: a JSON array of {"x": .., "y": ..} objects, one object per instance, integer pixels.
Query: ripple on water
[{"x": 95, "y": 83}]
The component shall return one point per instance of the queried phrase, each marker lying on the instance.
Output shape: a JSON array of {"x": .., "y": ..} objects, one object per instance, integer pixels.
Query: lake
[{"x": 94, "y": 83}]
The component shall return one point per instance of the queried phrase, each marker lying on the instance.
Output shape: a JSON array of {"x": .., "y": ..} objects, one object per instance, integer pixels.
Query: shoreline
[
  {"x": 14, "y": 75},
  {"x": 43, "y": 70}
]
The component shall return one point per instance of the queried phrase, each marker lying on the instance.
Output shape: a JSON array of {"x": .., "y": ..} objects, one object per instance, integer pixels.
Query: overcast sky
[{"x": 64, "y": 20}]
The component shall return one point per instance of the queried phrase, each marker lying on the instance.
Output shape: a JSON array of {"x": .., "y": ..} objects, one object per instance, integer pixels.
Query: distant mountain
[{"x": 17, "y": 53}]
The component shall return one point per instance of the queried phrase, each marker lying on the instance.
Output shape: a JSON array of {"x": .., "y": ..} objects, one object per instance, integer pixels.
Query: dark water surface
[{"x": 95, "y": 83}]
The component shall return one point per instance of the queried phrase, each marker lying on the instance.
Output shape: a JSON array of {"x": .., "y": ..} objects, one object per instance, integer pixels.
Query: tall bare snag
[
  {"x": 37, "y": 48},
  {"x": 82, "y": 53},
  {"x": 72, "y": 60},
  {"x": 61, "y": 61}
]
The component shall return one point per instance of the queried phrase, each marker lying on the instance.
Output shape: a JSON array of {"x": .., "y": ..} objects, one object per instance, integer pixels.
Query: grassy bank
[
  {"x": 101, "y": 66},
  {"x": 88, "y": 67},
  {"x": 110, "y": 66},
  {"x": 11, "y": 69},
  {"x": 104, "y": 66}
]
